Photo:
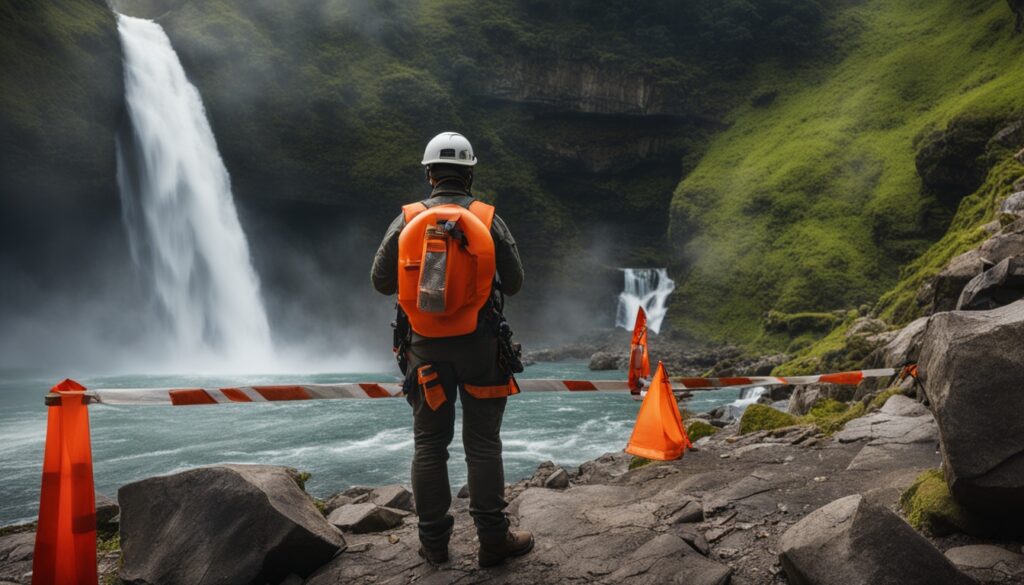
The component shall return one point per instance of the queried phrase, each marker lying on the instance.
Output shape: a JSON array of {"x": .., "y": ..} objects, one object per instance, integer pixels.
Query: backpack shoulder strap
[
  {"x": 483, "y": 212},
  {"x": 412, "y": 210}
]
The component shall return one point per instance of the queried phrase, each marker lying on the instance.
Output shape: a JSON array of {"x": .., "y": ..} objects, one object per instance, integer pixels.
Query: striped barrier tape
[
  {"x": 845, "y": 378},
  {"x": 287, "y": 392}
]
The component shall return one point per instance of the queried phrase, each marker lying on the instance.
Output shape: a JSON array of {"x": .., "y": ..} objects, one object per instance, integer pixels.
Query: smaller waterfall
[
  {"x": 184, "y": 230},
  {"x": 749, "y": 396},
  {"x": 648, "y": 288}
]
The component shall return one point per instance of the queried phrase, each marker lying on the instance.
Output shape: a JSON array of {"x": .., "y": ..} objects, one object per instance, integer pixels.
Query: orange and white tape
[
  {"x": 846, "y": 378},
  {"x": 286, "y": 392}
]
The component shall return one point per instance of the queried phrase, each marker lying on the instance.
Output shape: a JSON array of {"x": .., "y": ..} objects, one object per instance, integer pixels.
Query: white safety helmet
[{"x": 449, "y": 148}]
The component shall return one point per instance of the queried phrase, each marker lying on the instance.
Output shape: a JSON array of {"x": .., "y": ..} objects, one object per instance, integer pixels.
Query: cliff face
[
  {"x": 60, "y": 103},
  {"x": 579, "y": 86}
]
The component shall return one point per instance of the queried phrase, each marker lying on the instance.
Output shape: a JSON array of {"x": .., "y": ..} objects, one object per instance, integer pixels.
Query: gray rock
[
  {"x": 690, "y": 512},
  {"x": 222, "y": 524},
  {"x": 804, "y": 398},
  {"x": 544, "y": 470},
  {"x": 1006, "y": 244},
  {"x": 358, "y": 494},
  {"x": 971, "y": 370},
  {"x": 668, "y": 558},
  {"x": 1013, "y": 204},
  {"x": 604, "y": 468},
  {"x": 880, "y": 428},
  {"x": 906, "y": 347},
  {"x": 947, "y": 285},
  {"x": 16, "y": 556},
  {"x": 594, "y": 523},
  {"x": 853, "y": 542},
  {"x": 559, "y": 480},
  {"x": 1000, "y": 285},
  {"x": 393, "y": 496},
  {"x": 463, "y": 492},
  {"x": 107, "y": 513},
  {"x": 694, "y": 537},
  {"x": 365, "y": 517},
  {"x": 604, "y": 360},
  {"x": 988, "y": 563},
  {"x": 900, "y": 405},
  {"x": 336, "y": 501}
]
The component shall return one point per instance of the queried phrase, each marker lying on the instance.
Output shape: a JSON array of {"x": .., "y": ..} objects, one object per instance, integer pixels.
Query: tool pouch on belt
[
  {"x": 502, "y": 390},
  {"x": 429, "y": 382},
  {"x": 434, "y": 271}
]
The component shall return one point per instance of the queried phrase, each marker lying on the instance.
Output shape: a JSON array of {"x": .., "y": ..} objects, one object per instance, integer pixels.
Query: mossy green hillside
[{"x": 813, "y": 202}]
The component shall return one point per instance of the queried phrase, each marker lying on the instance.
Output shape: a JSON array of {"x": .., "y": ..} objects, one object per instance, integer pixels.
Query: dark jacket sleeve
[
  {"x": 510, "y": 266},
  {"x": 384, "y": 273}
]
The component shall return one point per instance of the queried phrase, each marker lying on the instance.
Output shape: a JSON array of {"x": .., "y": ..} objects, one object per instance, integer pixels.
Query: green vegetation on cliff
[{"x": 813, "y": 201}]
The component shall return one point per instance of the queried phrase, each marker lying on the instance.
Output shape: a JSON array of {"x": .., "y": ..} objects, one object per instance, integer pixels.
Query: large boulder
[
  {"x": 855, "y": 542},
  {"x": 971, "y": 369},
  {"x": 1000, "y": 285},
  {"x": 222, "y": 524}
]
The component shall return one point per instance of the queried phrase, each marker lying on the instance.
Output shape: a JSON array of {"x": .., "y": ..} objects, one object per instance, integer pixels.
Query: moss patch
[
  {"x": 699, "y": 429},
  {"x": 760, "y": 417},
  {"x": 638, "y": 462},
  {"x": 831, "y": 415},
  {"x": 109, "y": 544},
  {"x": 931, "y": 508}
]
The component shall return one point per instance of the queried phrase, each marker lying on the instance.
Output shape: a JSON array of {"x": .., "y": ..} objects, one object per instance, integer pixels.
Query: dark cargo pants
[{"x": 458, "y": 362}]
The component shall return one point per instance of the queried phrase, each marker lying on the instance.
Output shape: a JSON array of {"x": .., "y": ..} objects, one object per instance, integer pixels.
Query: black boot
[
  {"x": 434, "y": 556},
  {"x": 513, "y": 544}
]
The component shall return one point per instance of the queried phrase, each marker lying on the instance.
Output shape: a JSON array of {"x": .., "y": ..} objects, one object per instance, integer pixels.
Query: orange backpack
[{"x": 445, "y": 267}]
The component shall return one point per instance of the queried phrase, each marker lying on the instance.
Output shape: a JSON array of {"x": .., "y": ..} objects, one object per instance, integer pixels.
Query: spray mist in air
[
  {"x": 648, "y": 288},
  {"x": 179, "y": 212}
]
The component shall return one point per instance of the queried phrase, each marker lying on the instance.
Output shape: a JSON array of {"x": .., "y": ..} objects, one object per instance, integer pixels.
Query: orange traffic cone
[
  {"x": 639, "y": 360},
  {"x": 65, "y": 550},
  {"x": 659, "y": 432}
]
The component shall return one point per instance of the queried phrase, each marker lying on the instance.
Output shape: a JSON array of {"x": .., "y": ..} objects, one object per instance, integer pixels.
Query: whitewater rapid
[{"x": 183, "y": 227}]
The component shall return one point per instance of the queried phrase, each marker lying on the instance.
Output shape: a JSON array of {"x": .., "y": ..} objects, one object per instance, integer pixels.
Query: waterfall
[
  {"x": 644, "y": 287},
  {"x": 183, "y": 228},
  {"x": 749, "y": 396}
]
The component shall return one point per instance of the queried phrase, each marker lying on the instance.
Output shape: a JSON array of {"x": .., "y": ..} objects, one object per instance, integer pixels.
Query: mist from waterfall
[
  {"x": 184, "y": 231},
  {"x": 648, "y": 288}
]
